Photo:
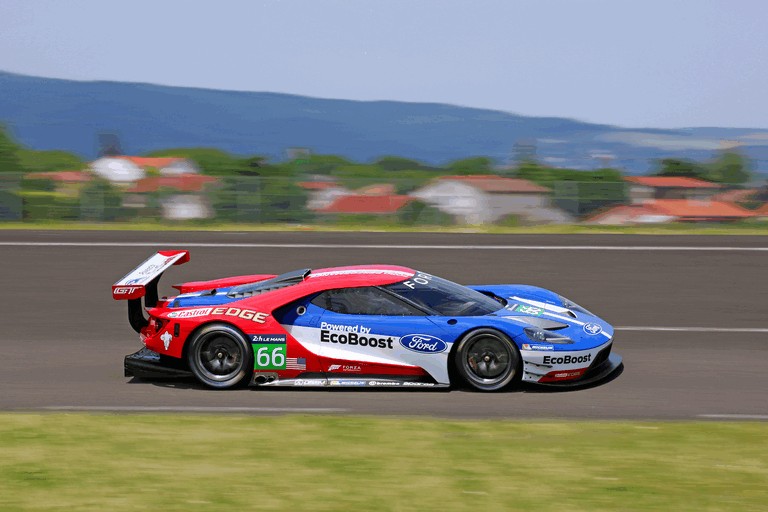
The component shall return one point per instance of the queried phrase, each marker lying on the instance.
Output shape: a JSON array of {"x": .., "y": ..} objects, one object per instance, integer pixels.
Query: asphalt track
[{"x": 691, "y": 312}]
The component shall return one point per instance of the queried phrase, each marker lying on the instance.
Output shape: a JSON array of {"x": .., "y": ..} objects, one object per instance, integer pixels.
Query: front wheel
[
  {"x": 487, "y": 359},
  {"x": 220, "y": 356}
]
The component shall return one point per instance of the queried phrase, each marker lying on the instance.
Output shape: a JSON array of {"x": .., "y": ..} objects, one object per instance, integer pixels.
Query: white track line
[
  {"x": 733, "y": 416},
  {"x": 385, "y": 246},
  {"x": 130, "y": 408},
  {"x": 694, "y": 329}
]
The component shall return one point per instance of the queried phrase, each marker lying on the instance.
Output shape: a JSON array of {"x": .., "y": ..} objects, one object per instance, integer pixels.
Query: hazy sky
[{"x": 640, "y": 63}]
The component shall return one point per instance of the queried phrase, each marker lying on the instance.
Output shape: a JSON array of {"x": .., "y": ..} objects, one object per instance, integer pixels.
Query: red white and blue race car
[{"x": 360, "y": 326}]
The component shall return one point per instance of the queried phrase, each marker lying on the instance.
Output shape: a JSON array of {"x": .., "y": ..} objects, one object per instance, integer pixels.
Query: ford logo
[
  {"x": 423, "y": 343},
  {"x": 592, "y": 329}
]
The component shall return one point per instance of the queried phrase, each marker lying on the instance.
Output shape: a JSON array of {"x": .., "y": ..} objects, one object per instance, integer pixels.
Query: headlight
[{"x": 542, "y": 336}]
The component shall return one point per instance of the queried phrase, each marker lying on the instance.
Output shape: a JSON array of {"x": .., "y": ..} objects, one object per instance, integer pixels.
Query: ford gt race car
[{"x": 359, "y": 326}]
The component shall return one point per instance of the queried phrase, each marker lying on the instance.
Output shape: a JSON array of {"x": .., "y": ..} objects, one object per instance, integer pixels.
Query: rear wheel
[
  {"x": 487, "y": 359},
  {"x": 220, "y": 356}
]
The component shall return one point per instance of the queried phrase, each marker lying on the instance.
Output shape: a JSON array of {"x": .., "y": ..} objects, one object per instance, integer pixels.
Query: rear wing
[
  {"x": 142, "y": 282},
  {"x": 134, "y": 285}
]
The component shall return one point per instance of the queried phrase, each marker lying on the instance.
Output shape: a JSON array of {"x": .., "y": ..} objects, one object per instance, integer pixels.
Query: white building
[
  {"x": 322, "y": 194},
  {"x": 483, "y": 199},
  {"x": 128, "y": 169}
]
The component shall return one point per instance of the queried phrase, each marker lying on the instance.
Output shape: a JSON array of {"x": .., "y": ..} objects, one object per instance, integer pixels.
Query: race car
[{"x": 359, "y": 326}]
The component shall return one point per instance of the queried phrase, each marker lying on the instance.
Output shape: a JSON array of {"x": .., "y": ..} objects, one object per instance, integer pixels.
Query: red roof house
[
  {"x": 671, "y": 210},
  {"x": 493, "y": 184},
  {"x": 643, "y": 188},
  {"x": 186, "y": 198},
  {"x": 129, "y": 169},
  {"x": 180, "y": 183},
  {"x": 688, "y": 210},
  {"x": 156, "y": 162},
  {"x": 359, "y": 203},
  {"x": 671, "y": 182},
  {"x": 736, "y": 196}
]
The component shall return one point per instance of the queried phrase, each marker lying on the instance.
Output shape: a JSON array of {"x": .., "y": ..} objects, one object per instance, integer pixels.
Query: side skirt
[{"x": 321, "y": 380}]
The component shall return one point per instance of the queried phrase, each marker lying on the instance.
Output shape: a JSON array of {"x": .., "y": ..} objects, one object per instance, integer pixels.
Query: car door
[{"x": 368, "y": 331}]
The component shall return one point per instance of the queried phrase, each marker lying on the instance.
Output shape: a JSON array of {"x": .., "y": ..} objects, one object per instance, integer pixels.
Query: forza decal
[
  {"x": 592, "y": 329},
  {"x": 567, "y": 359},
  {"x": 269, "y": 351},
  {"x": 352, "y": 338},
  {"x": 423, "y": 343},
  {"x": 245, "y": 314},
  {"x": 345, "y": 368}
]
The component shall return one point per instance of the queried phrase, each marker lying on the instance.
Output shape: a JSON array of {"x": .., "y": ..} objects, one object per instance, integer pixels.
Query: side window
[{"x": 364, "y": 301}]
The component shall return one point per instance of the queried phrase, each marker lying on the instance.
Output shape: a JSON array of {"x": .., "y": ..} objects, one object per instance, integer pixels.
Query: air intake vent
[
  {"x": 542, "y": 323},
  {"x": 281, "y": 281}
]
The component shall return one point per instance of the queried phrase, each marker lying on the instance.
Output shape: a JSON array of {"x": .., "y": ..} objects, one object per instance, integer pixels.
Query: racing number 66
[{"x": 271, "y": 357}]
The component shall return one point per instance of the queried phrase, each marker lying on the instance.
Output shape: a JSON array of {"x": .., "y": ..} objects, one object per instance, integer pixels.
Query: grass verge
[
  {"x": 171, "y": 462},
  {"x": 748, "y": 228}
]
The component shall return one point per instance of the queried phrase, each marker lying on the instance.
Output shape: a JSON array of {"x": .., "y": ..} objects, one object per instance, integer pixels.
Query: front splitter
[{"x": 594, "y": 375}]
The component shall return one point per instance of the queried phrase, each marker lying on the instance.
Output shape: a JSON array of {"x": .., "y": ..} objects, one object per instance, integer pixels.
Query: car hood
[{"x": 530, "y": 306}]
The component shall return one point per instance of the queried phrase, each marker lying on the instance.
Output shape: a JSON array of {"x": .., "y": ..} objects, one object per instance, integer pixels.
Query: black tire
[
  {"x": 488, "y": 360},
  {"x": 220, "y": 356}
]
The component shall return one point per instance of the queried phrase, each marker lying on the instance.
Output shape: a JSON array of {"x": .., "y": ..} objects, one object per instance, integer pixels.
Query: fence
[{"x": 269, "y": 200}]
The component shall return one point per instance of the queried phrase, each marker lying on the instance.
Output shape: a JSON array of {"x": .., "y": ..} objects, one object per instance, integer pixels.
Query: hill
[{"x": 46, "y": 113}]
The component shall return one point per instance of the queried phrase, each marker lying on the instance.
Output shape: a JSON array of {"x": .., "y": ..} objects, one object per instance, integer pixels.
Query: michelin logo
[{"x": 527, "y": 346}]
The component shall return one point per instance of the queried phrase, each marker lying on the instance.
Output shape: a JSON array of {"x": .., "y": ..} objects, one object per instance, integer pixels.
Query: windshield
[{"x": 444, "y": 297}]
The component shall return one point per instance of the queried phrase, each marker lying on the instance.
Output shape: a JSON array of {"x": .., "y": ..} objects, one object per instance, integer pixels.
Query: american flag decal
[{"x": 295, "y": 363}]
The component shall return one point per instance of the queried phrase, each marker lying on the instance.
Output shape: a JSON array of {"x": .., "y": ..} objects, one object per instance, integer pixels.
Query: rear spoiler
[{"x": 142, "y": 282}]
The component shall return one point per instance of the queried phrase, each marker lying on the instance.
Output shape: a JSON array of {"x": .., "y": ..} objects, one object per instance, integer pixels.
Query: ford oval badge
[{"x": 423, "y": 343}]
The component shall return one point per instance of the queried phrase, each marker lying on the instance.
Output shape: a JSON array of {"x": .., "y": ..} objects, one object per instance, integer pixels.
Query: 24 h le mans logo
[{"x": 268, "y": 351}]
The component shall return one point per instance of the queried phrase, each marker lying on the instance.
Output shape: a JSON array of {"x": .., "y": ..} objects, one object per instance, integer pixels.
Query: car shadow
[{"x": 191, "y": 383}]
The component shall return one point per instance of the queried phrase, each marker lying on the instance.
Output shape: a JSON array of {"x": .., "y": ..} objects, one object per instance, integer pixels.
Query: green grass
[
  {"x": 747, "y": 228},
  {"x": 171, "y": 462}
]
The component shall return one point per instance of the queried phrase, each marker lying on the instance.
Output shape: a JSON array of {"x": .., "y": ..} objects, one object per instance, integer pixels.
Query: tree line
[{"x": 254, "y": 188}]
